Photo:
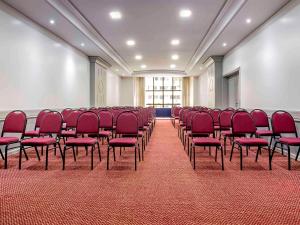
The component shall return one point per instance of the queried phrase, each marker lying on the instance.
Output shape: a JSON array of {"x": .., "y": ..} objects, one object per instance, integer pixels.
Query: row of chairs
[
  {"x": 242, "y": 128},
  {"x": 78, "y": 128}
]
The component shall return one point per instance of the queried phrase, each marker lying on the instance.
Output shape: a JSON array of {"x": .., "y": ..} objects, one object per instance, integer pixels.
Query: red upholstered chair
[
  {"x": 243, "y": 124},
  {"x": 35, "y": 132},
  {"x": 261, "y": 120},
  {"x": 283, "y": 124},
  {"x": 65, "y": 113},
  {"x": 71, "y": 122},
  {"x": 15, "y": 122},
  {"x": 87, "y": 124},
  {"x": 106, "y": 124},
  {"x": 202, "y": 123},
  {"x": 50, "y": 125},
  {"x": 126, "y": 124},
  {"x": 188, "y": 133}
]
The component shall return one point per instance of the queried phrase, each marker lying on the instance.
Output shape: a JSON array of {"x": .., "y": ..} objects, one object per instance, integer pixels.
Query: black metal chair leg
[
  {"x": 99, "y": 152},
  {"x": 135, "y": 158},
  {"x": 258, "y": 150},
  {"x": 273, "y": 150},
  {"x": 231, "y": 153},
  {"x": 216, "y": 154},
  {"x": 55, "y": 149},
  {"x": 241, "y": 157},
  {"x": 59, "y": 147},
  {"x": 270, "y": 158},
  {"x": 2, "y": 156},
  {"x": 107, "y": 161},
  {"x": 139, "y": 152},
  {"x": 37, "y": 153},
  {"x": 222, "y": 157},
  {"x": 194, "y": 157},
  {"x": 225, "y": 145},
  {"x": 26, "y": 156},
  {"x": 289, "y": 158},
  {"x": 20, "y": 156},
  {"x": 297, "y": 154},
  {"x": 92, "y": 157},
  {"x": 74, "y": 154},
  {"x": 281, "y": 148},
  {"x": 47, "y": 150},
  {"x": 114, "y": 152},
  {"x": 5, "y": 157}
]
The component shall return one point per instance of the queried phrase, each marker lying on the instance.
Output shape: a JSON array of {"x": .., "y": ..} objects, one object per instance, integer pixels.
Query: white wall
[
  {"x": 113, "y": 85},
  {"x": 37, "y": 69},
  {"x": 269, "y": 62},
  {"x": 127, "y": 91}
]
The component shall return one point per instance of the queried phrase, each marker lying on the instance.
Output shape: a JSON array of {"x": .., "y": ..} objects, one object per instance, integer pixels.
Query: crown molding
[
  {"x": 162, "y": 72},
  {"x": 99, "y": 61},
  {"x": 74, "y": 16},
  {"x": 227, "y": 13}
]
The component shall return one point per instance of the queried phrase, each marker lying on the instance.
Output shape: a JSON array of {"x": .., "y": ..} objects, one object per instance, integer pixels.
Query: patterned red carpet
[{"x": 164, "y": 190}]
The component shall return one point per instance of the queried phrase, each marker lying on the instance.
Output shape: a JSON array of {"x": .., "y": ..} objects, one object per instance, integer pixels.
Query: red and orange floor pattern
[{"x": 164, "y": 189}]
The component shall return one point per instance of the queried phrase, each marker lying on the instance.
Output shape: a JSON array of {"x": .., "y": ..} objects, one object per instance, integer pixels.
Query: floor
[{"x": 164, "y": 189}]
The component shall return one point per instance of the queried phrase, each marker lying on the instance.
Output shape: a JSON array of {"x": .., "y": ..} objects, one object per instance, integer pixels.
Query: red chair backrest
[
  {"x": 225, "y": 118},
  {"x": 71, "y": 119},
  {"x": 215, "y": 115},
  {"x": 189, "y": 118},
  {"x": 260, "y": 118},
  {"x": 51, "y": 123},
  {"x": 88, "y": 123},
  {"x": 242, "y": 123},
  {"x": 176, "y": 111},
  {"x": 40, "y": 116},
  {"x": 65, "y": 113},
  {"x": 283, "y": 123},
  {"x": 15, "y": 122},
  {"x": 106, "y": 119},
  {"x": 202, "y": 123},
  {"x": 127, "y": 123}
]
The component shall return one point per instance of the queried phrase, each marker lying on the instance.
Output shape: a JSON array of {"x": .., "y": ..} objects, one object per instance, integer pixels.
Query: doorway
[{"x": 233, "y": 90}]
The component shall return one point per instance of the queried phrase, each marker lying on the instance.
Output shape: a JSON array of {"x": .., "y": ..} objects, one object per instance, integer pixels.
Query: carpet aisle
[{"x": 164, "y": 189}]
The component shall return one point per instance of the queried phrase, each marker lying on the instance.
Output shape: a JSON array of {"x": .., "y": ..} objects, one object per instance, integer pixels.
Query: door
[{"x": 233, "y": 91}]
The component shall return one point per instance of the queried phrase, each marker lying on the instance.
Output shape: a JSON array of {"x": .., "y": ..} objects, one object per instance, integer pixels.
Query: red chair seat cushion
[
  {"x": 290, "y": 141},
  {"x": 123, "y": 142},
  {"x": 252, "y": 141},
  {"x": 68, "y": 133},
  {"x": 105, "y": 133},
  {"x": 31, "y": 133},
  {"x": 38, "y": 141},
  {"x": 81, "y": 141},
  {"x": 264, "y": 132},
  {"x": 206, "y": 141},
  {"x": 216, "y": 127},
  {"x": 8, "y": 140},
  {"x": 228, "y": 133},
  {"x": 140, "y": 134}
]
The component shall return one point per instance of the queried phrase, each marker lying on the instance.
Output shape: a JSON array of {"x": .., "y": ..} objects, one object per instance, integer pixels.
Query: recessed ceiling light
[
  {"x": 115, "y": 15},
  {"x": 185, "y": 13},
  {"x": 57, "y": 45},
  {"x": 224, "y": 44},
  {"x": 138, "y": 57},
  {"x": 82, "y": 44},
  {"x": 117, "y": 70},
  {"x": 175, "y": 57},
  {"x": 172, "y": 66},
  {"x": 52, "y": 21},
  {"x": 248, "y": 20},
  {"x": 175, "y": 42},
  {"x": 130, "y": 42},
  {"x": 143, "y": 66}
]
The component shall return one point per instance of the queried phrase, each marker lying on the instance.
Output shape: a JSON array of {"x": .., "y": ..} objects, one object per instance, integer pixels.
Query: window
[{"x": 163, "y": 92}]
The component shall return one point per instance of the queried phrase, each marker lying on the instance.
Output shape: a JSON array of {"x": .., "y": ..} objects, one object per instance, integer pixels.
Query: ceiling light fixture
[
  {"x": 52, "y": 21},
  {"x": 82, "y": 44},
  {"x": 143, "y": 66},
  {"x": 172, "y": 66},
  {"x": 185, "y": 13},
  {"x": 224, "y": 44},
  {"x": 175, "y": 42},
  {"x": 138, "y": 57},
  {"x": 248, "y": 20},
  {"x": 130, "y": 42},
  {"x": 175, "y": 57},
  {"x": 115, "y": 15}
]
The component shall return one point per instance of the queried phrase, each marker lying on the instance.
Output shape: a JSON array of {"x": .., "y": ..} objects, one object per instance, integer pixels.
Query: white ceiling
[{"x": 152, "y": 24}]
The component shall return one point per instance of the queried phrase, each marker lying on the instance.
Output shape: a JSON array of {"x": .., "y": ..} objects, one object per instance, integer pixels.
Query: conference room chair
[
  {"x": 51, "y": 124},
  {"x": 188, "y": 133},
  {"x": 203, "y": 124},
  {"x": 14, "y": 124},
  {"x": 126, "y": 124},
  {"x": 285, "y": 133},
  {"x": 215, "y": 113},
  {"x": 70, "y": 127},
  {"x": 65, "y": 113},
  {"x": 36, "y": 131},
  {"x": 87, "y": 124},
  {"x": 243, "y": 125},
  {"x": 106, "y": 124},
  {"x": 261, "y": 122}
]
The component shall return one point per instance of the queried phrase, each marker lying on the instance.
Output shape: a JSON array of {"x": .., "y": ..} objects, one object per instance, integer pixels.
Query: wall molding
[
  {"x": 75, "y": 17},
  {"x": 162, "y": 72},
  {"x": 225, "y": 16}
]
